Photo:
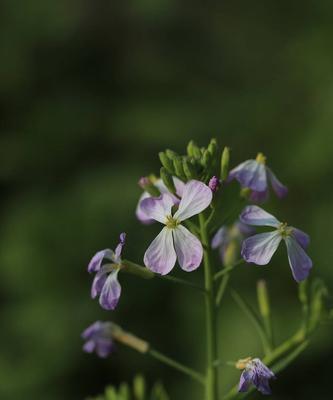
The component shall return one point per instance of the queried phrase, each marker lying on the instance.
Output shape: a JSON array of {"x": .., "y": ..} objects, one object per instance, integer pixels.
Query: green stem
[
  {"x": 221, "y": 289},
  {"x": 197, "y": 376},
  {"x": 211, "y": 328},
  {"x": 228, "y": 269},
  {"x": 181, "y": 282}
]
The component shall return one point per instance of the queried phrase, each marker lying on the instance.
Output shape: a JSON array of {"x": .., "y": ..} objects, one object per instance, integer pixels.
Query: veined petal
[
  {"x": 179, "y": 185},
  {"x": 260, "y": 248},
  {"x": 158, "y": 208},
  {"x": 100, "y": 279},
  {"x": 160, "y": 257},
  {"x": 119, "y": 248},
  {"x": 300, "y": 263},
  {"x": 140, "y": 213},
  {"x": 188, "y": 248},
  {"x": 245, "y": 380},
  {"x": 111, "y": 291},
  {"x": 302, "y": 238},
  {"x": 250, "y": 174},
  {"x": 280, "y": 189},
  {"x": 196, "y": 197},
  {"x": 220, "y": 238},
  {"x": 254, "y": 215},
  {"x": 96, "y": 261}
]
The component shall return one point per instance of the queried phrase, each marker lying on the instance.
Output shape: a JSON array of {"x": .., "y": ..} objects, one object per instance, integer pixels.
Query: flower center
[
  {"x": 284, "y": 229},
  {"x": 243, "y": 363},
  {"x": 171, "y": 222},
  {"x": 261, "y": 159}
]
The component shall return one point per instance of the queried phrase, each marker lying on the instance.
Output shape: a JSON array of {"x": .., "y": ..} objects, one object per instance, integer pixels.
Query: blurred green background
[{"x": 90, "y": 91}]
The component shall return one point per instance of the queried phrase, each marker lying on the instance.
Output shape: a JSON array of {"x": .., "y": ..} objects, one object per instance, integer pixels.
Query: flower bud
[
  {"x": 207, "y": 159},
  {"x": 171, "y": 154},
  {"x": 178, "y": 164},
  {"x": 193, "y": 150},
  {"x": 225, "y": 163},
  {"x": 129, "y": 340},
  {"x": 166, "y": 162},
  {"x": 167, "y": 180},
  {"x": 189, "y": 169},
  {"x": 212, "y": 147},
  {"x": 214, "y": 184},
  {"x": 147, "y": 184},
  {"x": 263, "y": 299}
]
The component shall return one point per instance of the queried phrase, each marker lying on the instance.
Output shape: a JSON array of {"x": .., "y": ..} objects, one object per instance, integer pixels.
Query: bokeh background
[{"x": 90, "y": 91}]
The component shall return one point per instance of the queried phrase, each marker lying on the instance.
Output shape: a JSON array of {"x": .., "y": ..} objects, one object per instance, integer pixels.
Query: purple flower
[
  {"x": 175, "y": 241},
  {"x": 105, "y": 284},
  {"x": 255, "y": 372},
  {"x": 214, "y": 184},
  {"x": 254, "y": 174},
  {"x": 260, "y": 248},
  {"x": 140, "y": 213},
  {"x": 98, "y": 337},
  {"x": 228, "y": 241}
]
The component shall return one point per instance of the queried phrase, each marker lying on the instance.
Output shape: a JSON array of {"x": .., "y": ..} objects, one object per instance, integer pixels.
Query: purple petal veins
[
  {"x": 254, "y": 215},
  {"x": 279, "y": 189},
  {"x": 96, "y": 262},
  {"x": 258, "y": 374},
  {"x": 98, "y": 338},
  {"x": 260, "y": 248},
  {"x": 250, "y": 174},
  {"x": 300, "y": 263},
  {"x": 110, "y": 292},
  {"x": 188, "y": 249}
]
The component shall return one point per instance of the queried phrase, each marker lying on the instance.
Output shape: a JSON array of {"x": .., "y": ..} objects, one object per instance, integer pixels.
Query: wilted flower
[
  {"x": 179, "y": 185},
  {"x": 254, "y": 372},
  {"x": 254, "y": 174},
  {"x": 105, "y": 284},
  {"x": 228, "y": 240},
  {"x": 260, "y": 248},
  {"x": 98, "y": 337},
  {"x": 214, "y": 183},
  {"x": 175, "y": 241}
]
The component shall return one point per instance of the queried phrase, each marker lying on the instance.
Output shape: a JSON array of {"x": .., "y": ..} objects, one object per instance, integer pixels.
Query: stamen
[
  {"x": 171, "y": 222},
  {"x": 261, "y": 159}
]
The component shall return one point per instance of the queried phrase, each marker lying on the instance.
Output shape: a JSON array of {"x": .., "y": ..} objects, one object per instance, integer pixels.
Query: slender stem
[
  {"x": 180, "y": 281},
  {"x": 211, "y": 328},
  {"x": 221, "y": 289},
  {"x": 178, "y": 366},
  {"x": 228, "y": 269}
]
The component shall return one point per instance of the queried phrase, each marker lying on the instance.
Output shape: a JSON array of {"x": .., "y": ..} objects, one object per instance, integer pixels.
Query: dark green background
[{"x": 90, "y": 91}]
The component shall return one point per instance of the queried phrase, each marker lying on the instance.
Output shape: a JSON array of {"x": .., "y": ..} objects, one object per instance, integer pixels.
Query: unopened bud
[
  {"x": 146, "y": 183},
  {"x": 225, "y": 158},
  {"x": 167, "y": 180},
  {"x": 178, "y": 164},
  {"x": 214, "y": 184},
  {"x": 212, "y": 147},
  {"x": 263, "y": 299},
  {"x": 166, "y": 162},
  {"x": 189, "y": 169}
]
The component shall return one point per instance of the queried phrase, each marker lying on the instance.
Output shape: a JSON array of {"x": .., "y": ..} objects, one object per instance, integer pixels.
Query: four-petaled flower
[
  {"x": 259, "y": 249},
  {"x": 105, "y": 284},
  {"x": 140, "y": 212},
  {"x": 254, "y": 174},
  {"x": 98, "y": 337},
  {"x": 228, "y": 240},
  {"x": 254, "y": 372},
  {"x": 175, "y": 241}
]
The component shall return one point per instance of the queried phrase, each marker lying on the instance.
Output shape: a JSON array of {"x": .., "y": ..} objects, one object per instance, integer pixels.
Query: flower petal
[
  {"x": 302, "y": 238},
  {"x": 259, "y": 197},
  {"x": 111, "y": 291},
  {"x": 157, "y": 208},
  {"x": 160, "y": 257},
  {"x": 196, "y": 197},
  {"x": 179, "y": 185},
  {"x": 254, "y": 215},
  {"x": 104, "y": 346},
  {"x": 100, "y": 279},
  {"x": 119, "y": 248},
  {"x": 250, "y": 174},
  {"x": 260, "y": 248},
  {"x": 220, "y": 238},
  {"x": 96, "y": 261},
  {"x": 280, "y": 189},
  {"x": 188, "y": 248},
  {"x": 139, "y": 212},
  {"x": 300, "y": 263},
  {"x": 245, "y": 381}
]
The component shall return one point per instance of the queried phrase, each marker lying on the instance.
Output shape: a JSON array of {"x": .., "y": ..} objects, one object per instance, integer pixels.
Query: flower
[
  {"x": 214, "y": 183},
  {"x": 105, "y": 283},
  {"x": 175, "y": 241},
  {"x": 98, "y": 337},
  {"x": 254, "y": 372},
  {"x": 254, "y": 174},
  {"x": 260, "y": 248},
  {"x": 140, "y": 213},
  {"x": 228, "y": 241}
]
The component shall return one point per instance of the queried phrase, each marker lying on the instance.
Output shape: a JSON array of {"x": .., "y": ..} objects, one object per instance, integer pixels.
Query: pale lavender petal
[
  {"x": 89, "y": 346},
  {"x": 254, "y": 215},
  {"x": 245, "y": 230},
  {"x": 158, "y": 208},
  {"x": 111, "y": 291},
  {"x": 259, "y": 249},
  {"x": 104, "y": 346},
  {"x": 280, "y": 189},
  {"x": 160, "y": 257},
  {"x": 245, "y": 381},
  {"x": 179, "y": 185},
  {"x": 92, "y": 330},
  {"x": 119, "y": 248},
  {"x": 220, "y": 238},
  {"x": 139, "y": 212},
  {"x": 99, "y": 280},
  {"x": 96, "y": 261},
  {"x": 302, "y": 238},
  {"x": 196, "y": 197},
  {"x": 250, "y": 174},
  {"x": 259, "y": 197},
  {"x": 188, "y": 248},
  {"x": 300, "y": 263}
]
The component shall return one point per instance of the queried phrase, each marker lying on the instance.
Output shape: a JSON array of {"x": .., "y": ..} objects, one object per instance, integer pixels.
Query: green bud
[
  {"x": 167, "y": 180},
  {"x": 225, "y": 163},
  {"x": 139, "y": 387},
  {"x": 166, "y": 162},
  {"x": 124, "y": 392},
  {"x": 178, "y": 164},
  {"x": 207, "y": 159},
  {"x": 171, "y": 154},
  {"x": 193, "y": 150},
  {"x": 110, "y": 393},
  {"x": 147, "y": 184},
  {"x": 212, "y": 147},
  {"x": 263, "y": 299},
  {"x": 302, "y": 292},
  {"x": 189, "y": 169}
]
